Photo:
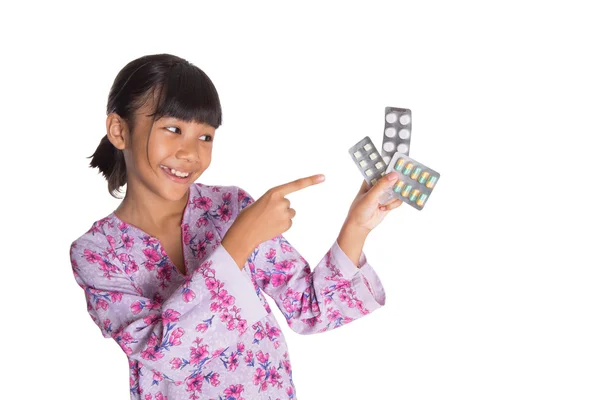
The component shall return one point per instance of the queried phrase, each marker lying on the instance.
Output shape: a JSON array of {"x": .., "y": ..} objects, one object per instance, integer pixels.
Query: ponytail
[{"x": 111, "y": 163}]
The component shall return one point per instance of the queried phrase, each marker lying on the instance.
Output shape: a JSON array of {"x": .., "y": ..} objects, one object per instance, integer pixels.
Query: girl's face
[{"x": 174, "y": 147}]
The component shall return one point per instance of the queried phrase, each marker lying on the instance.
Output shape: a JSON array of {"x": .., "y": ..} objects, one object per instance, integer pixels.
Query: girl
[{"x": 176, "y": 275}]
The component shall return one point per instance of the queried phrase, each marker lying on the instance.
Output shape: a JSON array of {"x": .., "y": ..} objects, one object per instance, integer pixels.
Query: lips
[
  {"x": 176, "y": 172},
  {"x": 178, "y": 179}
]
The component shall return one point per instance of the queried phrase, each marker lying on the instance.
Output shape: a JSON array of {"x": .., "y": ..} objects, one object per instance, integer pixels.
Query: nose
[{"x": 188, "y": 150}]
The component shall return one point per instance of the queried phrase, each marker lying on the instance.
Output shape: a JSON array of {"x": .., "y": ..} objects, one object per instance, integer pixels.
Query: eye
[
  {"x": 208, "y": 138},
  {"x": 173, "y": 127}
]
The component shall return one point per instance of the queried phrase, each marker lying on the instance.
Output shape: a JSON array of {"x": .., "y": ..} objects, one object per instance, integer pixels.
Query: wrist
[
  {"x": 238, "y": 246},
  {"x": 351, "y": 229},
  {"x": 351, "y": 241}
]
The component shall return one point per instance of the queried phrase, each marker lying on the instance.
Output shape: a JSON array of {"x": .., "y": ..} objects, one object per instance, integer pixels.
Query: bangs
[{"x": 188, "y": 94}]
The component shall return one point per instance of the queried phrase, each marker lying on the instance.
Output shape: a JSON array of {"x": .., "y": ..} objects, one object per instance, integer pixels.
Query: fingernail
[
  {"x": 391, "y": 176},
  {"x": 320, "y": 178}
]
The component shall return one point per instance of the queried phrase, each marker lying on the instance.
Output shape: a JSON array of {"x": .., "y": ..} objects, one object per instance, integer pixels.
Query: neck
[{"x": 143, "y": 208}]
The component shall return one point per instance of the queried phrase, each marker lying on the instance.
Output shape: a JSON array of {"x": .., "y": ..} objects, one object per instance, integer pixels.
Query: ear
[{"x": 117, "y": 131}]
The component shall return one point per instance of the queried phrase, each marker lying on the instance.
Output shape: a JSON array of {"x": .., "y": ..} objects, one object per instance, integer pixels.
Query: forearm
[{"x": 351, "y": 240}]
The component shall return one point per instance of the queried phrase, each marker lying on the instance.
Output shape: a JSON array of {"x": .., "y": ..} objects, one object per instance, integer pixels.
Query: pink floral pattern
[{"x": 210, "y": 334}]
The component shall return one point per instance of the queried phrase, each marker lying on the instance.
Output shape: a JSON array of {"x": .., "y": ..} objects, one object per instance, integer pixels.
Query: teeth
[{"x": 179, "y": 173}]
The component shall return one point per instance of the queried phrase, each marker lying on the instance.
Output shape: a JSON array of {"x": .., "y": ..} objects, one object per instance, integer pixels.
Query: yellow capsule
[
  {"x": 416, "y": 173},
  {"x": 398, "y": 186},
  {"x": 421, "y": 200},
  {"x": 399, "y": 164},
  {"x": 408, "y": 168},
  {"x": 431, "y": 182},
  {"x": 423, "y": 177},
  {"x": 406, "y": 190},
  {"x": 414, "y": 194}
]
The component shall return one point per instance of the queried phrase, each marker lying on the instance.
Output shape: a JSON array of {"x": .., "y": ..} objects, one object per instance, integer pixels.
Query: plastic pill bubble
[
  {"x": 431, "y": 182},
  {"x": 414, "y": 194},
  {"x": 386, "y": 159},
  {"x": 405, "y": 119},
  {"x": 406, "y": 190},
  {"x": 415, "y": 173},
  {"x": 373, "y": 156},
  {"x": 391, "y": 118},
  {"x": 399, "y": 164},
  {"x": 373, "y": 181},
  {"x": 402, "y": 148},
  {"x": 379, "y": 165},
  {"x": 390, "y": 132},
  {"x": 421, "y": 200},
  {"x": 369, "y": 172},
  {"x": 408, "y": 168},
  {"x": 367, "y": 147},
  {"x": 423, "y": 177},
  {"x": 357, "y": 154},
  {"x": 388, "y": 146},
  {"x": 404, "y": 134},
  {"x": 363, "y": 163},
  {"x": 398, "y": 186}
]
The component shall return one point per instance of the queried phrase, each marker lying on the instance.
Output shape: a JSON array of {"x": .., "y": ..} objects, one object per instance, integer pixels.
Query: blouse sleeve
[
  {"x": 335, "y": 293},
  {"x": 177, "y": 336}
]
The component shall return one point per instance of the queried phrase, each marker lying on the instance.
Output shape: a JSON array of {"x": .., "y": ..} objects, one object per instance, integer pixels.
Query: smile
[{"x": 175, "y": 172}]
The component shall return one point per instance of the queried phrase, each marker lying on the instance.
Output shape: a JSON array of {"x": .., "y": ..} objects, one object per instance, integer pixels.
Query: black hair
[{"x": 182, "y": 91}]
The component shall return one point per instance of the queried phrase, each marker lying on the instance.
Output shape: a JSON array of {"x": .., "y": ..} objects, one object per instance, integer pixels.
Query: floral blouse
[{"x": 210, "y": 334}]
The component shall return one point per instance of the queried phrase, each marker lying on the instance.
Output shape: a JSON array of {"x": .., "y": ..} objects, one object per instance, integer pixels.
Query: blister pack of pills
[
  {"x": 368, "y": 160},
  {"x": 415, "y": 181},
  {"x": 396, "y": 133}
]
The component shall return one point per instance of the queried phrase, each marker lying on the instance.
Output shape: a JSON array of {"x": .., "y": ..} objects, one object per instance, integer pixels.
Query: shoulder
[
  {"x": 94, "y": 245},
  {"x": 231, "y": 195}
]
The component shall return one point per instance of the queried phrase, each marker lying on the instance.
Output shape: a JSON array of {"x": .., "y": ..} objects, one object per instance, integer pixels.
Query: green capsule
[
  {"x": 423, "y": 177},
  {"x": 408, "y": 168},
  {"x": 406, "y": 190},
  {"x": 421, "y": 200},
  {"x": 431, "y": 182},
  {"x": 414, "y": 194},
  {"x": 399, "y": 164},
  {"x": 398, "y": 186},
  {"x": 416, "y": 173}
]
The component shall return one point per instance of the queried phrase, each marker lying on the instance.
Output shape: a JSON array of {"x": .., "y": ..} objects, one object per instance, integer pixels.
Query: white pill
[
  {"x": 405, "y": 119},
  {"x": 379, "y": 165},
  {"x": 390, "y": 132},
  {"x": 388, "y": 146},
  {"x": 391, "y": 118},
  {"x": 402, "y": 148},
  {"x": 404, "y": 133},
  {"x": 386, "y": 159},
  {"x": 373, "y": 156},
  {"x": 363, "y": 163},
  {"x": 357, "y": 154},
  {"x": 369, "y": 172},
  {"x": 367, "y": 147}
]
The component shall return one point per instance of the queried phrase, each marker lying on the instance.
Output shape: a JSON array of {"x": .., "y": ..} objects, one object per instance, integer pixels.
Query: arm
[
  {"x": 336, "y": 292},
  {"x": 176, "y": 336}
]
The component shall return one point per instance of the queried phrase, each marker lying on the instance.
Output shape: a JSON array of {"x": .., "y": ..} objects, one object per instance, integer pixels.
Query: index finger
[{"x": 299, "y": 184}]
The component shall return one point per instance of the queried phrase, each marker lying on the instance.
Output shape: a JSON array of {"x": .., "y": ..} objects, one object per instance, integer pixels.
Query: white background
[{"x": 492, "y": 290}]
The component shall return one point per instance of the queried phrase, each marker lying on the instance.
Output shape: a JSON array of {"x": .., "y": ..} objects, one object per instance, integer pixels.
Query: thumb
[{"x": 383, "y": 185}]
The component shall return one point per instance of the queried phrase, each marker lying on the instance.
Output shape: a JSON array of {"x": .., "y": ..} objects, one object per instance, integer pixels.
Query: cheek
[{"x": 158, "y": 150}]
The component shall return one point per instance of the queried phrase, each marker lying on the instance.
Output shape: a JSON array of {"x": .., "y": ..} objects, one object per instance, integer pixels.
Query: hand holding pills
[
  {"x": 415, "y": 181},
  {"x": 365, "y": 211}
]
